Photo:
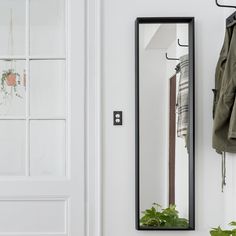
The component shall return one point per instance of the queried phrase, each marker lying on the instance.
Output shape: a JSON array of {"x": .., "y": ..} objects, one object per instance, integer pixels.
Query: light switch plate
[{"x": 117, "y": 118}]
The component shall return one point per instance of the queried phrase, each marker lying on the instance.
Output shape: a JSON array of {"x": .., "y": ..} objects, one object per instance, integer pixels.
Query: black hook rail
[
  {"x": 231, "y": 20},
  {"x": 171, "y": 58},
  {"x": 220, "y": 5},
  {"x": 182, "y": 45}
]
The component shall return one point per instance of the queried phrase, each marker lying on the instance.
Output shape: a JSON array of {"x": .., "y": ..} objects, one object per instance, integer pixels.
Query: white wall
[{"x": 118, "y": 93}]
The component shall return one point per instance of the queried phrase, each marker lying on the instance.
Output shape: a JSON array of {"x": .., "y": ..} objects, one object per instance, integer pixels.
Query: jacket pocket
[{"x": 214, "y": 102}]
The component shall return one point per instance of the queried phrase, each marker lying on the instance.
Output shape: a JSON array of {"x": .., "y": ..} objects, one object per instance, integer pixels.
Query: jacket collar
[{"x": 226, "y": 45}]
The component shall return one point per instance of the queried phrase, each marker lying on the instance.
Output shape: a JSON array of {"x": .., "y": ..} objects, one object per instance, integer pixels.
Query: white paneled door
[{"x": 42, "y": 110}]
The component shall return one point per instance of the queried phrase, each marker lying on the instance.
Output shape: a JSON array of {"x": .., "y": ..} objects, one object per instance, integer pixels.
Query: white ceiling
[{"x": 159, "y": 37}]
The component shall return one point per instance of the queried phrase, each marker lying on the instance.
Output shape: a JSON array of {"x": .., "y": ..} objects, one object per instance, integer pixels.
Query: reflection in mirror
[{"x": 164, "y": 126}]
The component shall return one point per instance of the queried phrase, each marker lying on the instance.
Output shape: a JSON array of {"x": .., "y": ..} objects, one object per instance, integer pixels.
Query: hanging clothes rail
[
  {"x": 220, "y": 5},
  {"x": 231, "y": 20}
]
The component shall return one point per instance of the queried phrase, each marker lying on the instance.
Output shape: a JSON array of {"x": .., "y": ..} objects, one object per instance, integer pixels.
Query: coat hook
[
  {"x": 220, "y": 5},
  {"x": 171, "y": 59},
  {"x": 181, "y": 45}
]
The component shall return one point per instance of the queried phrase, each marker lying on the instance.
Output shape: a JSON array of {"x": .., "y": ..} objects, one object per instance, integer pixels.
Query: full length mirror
[{"x": 165, "y": 123}]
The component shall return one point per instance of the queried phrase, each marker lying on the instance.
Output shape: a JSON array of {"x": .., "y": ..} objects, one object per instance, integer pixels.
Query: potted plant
[
  {"x": 165, "y": 218},
  {"x": 221, "y": 232},
  {"x": 11, "y": 78},
  {"x": 9, "y": 82}
]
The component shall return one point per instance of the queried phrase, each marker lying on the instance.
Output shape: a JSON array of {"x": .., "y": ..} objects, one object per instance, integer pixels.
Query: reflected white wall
[
  {"x": 155, "y": 73},
  {"x": 153, "y": 126}
]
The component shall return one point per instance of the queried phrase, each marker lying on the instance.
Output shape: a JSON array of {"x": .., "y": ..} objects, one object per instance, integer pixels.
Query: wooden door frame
[{"x": 94, "y": 161}]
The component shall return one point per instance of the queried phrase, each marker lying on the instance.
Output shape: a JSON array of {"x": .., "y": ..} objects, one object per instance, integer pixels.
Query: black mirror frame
[{"x": 190, "y": 22}]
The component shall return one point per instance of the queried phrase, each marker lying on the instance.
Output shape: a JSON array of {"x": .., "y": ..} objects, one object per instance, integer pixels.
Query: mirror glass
[{"x": 164, "y": 125}]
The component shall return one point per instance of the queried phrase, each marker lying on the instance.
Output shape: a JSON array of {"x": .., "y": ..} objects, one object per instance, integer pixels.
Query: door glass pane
[
  {"x": 47, "y": 147},
  {"x": 12, "y": 27},
  {"x": 47, "y": 88},
  {"x": 12, "y": 146},
  {"x": 47, "y": 27},
  {"x": 12, "y": 88}
]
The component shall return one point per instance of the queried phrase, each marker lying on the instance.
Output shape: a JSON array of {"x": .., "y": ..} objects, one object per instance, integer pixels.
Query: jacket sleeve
[
  {"x": 225, "y": 113},
  {"x": 232, "y": 124}
]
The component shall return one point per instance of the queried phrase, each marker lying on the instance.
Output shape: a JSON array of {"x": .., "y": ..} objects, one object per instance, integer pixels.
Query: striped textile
[{"x": 182, "y": 98}]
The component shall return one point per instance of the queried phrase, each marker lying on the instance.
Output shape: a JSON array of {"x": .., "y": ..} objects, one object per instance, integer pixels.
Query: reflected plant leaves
[{"x": 166, "y": 218}]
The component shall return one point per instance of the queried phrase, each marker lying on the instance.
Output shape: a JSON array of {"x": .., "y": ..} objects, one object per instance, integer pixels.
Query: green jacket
[{"x": 224, "y": 107}]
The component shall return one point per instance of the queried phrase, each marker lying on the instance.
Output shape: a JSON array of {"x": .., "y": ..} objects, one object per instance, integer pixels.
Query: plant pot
[{"x": 11, "y": 79}]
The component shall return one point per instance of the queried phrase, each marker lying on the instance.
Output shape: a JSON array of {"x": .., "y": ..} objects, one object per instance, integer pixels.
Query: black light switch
[{"x": 117, "y": 117}]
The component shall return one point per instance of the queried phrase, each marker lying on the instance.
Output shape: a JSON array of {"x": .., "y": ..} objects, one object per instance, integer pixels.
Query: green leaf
[
  {"x": 233, "y": 223},
  {"x": 220, "y": 232},
  {"x": 166, "y": 218}
]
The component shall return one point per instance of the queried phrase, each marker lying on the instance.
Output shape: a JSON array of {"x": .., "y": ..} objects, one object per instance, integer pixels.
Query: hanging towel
[{"x": 183, "y": 98}]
